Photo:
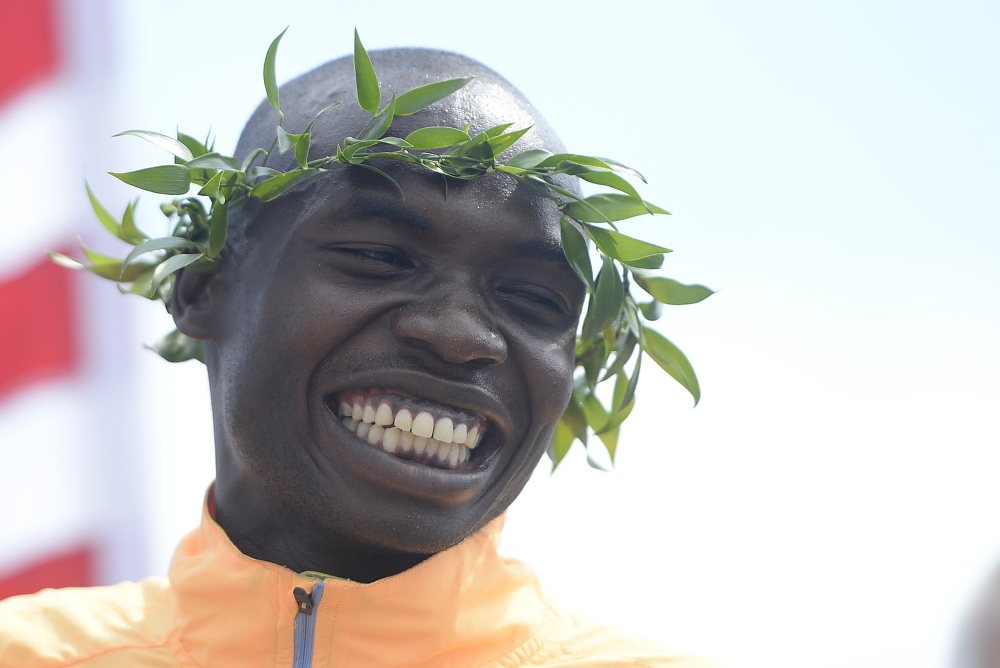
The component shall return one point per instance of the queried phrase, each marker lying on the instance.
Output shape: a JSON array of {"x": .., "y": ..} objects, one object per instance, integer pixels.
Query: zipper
[{"x": 305, "y": 624}]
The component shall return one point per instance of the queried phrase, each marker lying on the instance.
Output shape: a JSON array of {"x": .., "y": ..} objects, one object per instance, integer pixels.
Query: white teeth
[
  {"x": 423, "y": 424},
  {"x": 447, "y": 442},
  {"x": 403, "y": 419},
  {"x": 383, "y": 416},
  {"x": 443, "y": 429},
  {"x": 406, "y": 439},
  {"x": 390, "y": 440},
  {"x": 375, "y": 433}
]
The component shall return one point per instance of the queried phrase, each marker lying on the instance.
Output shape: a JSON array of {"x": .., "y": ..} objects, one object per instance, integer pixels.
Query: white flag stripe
[{"x": 40, "y": 164}]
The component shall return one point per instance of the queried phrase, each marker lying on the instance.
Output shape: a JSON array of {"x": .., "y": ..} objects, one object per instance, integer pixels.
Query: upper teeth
[{"x": 439, "y": 440}]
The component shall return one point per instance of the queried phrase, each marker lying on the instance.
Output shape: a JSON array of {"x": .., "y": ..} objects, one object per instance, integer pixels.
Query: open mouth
[{"x": 409, "y": 428}]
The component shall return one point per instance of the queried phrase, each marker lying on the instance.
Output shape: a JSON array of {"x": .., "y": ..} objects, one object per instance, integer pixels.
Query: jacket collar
[{"x": 465, "y": 606}]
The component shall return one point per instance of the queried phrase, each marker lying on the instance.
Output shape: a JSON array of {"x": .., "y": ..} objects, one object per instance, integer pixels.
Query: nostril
[{"x": 455, "y": 334}]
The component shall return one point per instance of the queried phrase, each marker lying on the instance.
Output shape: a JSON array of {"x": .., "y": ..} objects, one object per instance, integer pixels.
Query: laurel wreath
[{"x": 612, "y": 331}]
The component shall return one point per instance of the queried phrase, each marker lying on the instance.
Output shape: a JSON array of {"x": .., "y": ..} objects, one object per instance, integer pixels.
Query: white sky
[{"x": 832, "y": 168}]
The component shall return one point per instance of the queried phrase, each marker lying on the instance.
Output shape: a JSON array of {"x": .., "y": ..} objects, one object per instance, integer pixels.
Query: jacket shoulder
[
  {"x": 87, "y": 626},
  {"x": 577, "y": 641}
]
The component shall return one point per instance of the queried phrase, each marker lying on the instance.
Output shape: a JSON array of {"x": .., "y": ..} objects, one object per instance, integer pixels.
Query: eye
[
  {"x": 372, "y": 259},
  {"x": 535, "y": 300}
]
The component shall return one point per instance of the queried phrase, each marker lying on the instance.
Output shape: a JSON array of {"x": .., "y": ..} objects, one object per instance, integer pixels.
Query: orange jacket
[{"x": 464, "y": 607}]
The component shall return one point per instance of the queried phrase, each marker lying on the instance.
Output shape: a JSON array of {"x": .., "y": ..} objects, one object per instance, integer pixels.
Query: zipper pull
[{"x": 304, "y": 600}]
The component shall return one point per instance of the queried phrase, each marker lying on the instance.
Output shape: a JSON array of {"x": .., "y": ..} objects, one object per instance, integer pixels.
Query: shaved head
[{"x": 487, "y": 101}]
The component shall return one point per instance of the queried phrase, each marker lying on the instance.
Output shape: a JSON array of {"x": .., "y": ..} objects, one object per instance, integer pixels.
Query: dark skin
[{"x": 463, "y": 301}]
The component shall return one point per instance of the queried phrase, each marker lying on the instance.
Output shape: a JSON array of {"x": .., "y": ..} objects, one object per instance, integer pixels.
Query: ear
[{"x": 195, "y": 302}]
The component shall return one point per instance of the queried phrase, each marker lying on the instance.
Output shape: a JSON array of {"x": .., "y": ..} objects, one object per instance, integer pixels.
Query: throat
[{"x": 297, "y": 545}]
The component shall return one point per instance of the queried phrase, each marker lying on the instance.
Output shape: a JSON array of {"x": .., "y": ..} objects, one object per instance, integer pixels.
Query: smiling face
[{"x": 386, "y": 371}]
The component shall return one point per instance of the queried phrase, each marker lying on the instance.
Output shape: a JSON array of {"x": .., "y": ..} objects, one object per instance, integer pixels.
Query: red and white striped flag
[{"x": 65, "y": 517}]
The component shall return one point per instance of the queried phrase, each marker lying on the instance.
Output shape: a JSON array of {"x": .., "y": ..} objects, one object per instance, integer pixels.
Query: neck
[{"x": 297, "y": 544}]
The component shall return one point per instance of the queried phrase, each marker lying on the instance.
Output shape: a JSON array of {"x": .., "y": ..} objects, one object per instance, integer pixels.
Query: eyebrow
[{"x": 361, "y": 206}]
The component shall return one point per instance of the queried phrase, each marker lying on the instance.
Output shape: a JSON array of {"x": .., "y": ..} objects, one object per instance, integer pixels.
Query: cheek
[{"x": 550, "y": 380}]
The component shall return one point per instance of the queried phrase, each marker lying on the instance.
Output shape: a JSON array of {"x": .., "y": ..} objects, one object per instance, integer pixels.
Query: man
[{"x": 386, "y": 371}]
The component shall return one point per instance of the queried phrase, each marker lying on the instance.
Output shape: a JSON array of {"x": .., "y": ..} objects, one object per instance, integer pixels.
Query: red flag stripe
[
  {"x": 28, "y": 50},
  {"x": 73, "y": 568},
  {"x": 37, "y": 326}
]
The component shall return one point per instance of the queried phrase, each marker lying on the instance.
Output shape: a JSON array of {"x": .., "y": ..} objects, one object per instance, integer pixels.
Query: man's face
[{"x": 441, "y": 312}]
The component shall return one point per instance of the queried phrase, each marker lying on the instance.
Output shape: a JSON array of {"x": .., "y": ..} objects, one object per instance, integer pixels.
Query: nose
[{"x": 453, "y": 325}]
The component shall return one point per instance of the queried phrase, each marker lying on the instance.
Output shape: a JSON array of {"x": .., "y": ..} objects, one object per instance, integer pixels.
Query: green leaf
[
  {"x": 672, "y": 360},
  {"x": 302, "y": 150},
  {"x": 220, "y": 228},
  {"x": 211, "y": 189},
  {"x": 528, "y": 159},
  {"x": 131, "y": 233},
  {"x": 623, "y": 355},
  {"x": 621, "y": 247},
  {"x": 574, "y": 247},
  {"x": 353, "y": 148},
  {"x": 247, "y": 161},
  {"x": 214, "y": 161},
  {"x": 177, "y": 347},
  {"x": 575, "y": 419},
  {"x": 169, "y": 266},
  {"x": 435, "y": 137},
  {"x": 651, "y": 310},
  {"x": 558, "y": 159},
  {"x": 192, "y": 144},
  {"x": 651, "y": 262},
  {"x": 65, "y": 261},
  {"x": 562, "y": 439},
  {"x": 110, "y": 222},
  {"x": 421, "y": 97},
  {"x": 378, "y": 171},
  {"x": 270, "y": 188},
  {"x": 286, "y": 140},
  {"x": 169, "y": 144},
  {"x": 669, "y": 291},
  {"x": 140, "y": 285},
  {"x": 259, "y": 172},
  {"x": 162, "y": 243},
  {"x": 632, "y": 316},
  {"x": 270, "y": 79},
  {"x": 365, "y": 78},
  {"x": 619, "y": 167},
  {"x": 611, "y": 180},
  {"x": 501, "y": 143},
  {"x": 622, "y": 402},
  {"x": 607, "y": 302},
  {"x": 164, "y": 179},
  {"x": 384, "y": 122},
  {"x": 613, "y": 206},
  {"x": 597, "y": 418}
]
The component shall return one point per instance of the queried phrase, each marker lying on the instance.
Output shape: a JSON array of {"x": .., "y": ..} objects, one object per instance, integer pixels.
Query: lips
[{"x": 411, "y": 429}]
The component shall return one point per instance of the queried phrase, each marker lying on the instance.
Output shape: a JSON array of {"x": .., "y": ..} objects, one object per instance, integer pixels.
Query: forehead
[{"x": 492, "y": 214}]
